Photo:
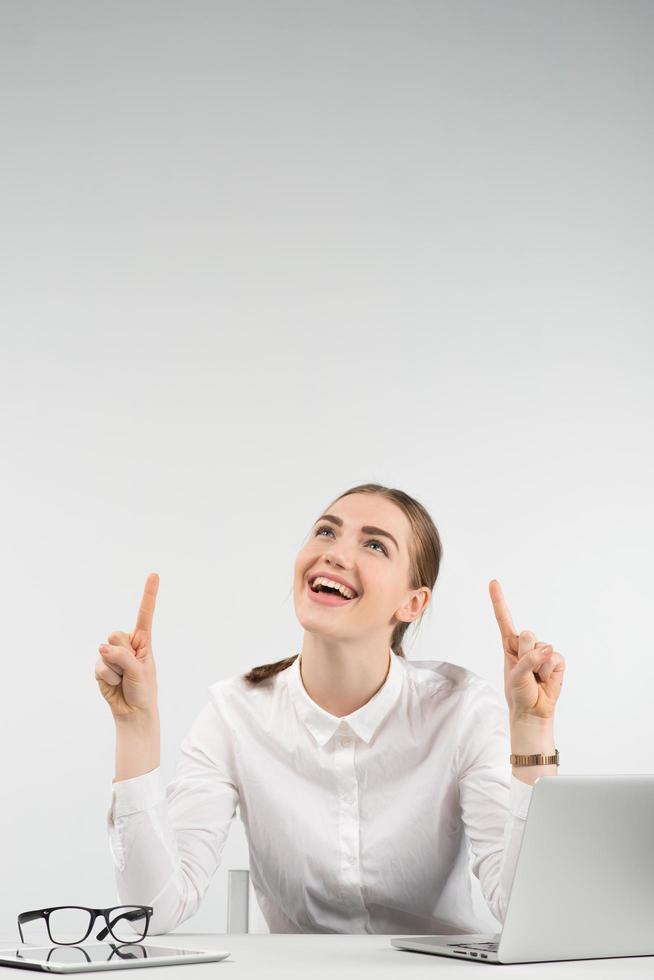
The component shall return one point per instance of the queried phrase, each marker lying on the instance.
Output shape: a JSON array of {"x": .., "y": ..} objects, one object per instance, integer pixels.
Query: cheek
[
  {"x": 309, "y": 553},
  {"x": 304, "y": 559},
  {"x": 389, "y": 595},
  {"x": 379, "y": 594}
]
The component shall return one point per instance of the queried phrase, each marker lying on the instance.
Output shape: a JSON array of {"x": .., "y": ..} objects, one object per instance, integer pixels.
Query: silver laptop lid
[{"x": 584, "y": 882}]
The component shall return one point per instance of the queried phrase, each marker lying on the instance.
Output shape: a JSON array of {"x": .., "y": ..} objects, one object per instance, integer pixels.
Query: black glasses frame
[{"x": 137, "y": 912}]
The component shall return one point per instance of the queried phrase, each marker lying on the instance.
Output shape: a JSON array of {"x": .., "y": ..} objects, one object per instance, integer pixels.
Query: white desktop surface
[{"x": 339, "y": 957}]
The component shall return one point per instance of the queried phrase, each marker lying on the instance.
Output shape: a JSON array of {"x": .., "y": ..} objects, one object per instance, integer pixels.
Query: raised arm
[
  {"x": 533, "y": 677},
  {"x": 165, "y": 842}
]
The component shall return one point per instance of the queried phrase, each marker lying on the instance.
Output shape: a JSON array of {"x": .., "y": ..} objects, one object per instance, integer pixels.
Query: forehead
[{"x": 371, "y": 509}]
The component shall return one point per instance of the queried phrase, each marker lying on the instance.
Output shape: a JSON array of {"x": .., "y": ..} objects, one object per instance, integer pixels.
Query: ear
[{"x": 414, "y": 605}]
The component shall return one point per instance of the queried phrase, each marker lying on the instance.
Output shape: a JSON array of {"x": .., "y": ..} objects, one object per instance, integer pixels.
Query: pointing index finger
[
  {"x": 502, "y": 614},
  {"x": 146, "y": 609}
]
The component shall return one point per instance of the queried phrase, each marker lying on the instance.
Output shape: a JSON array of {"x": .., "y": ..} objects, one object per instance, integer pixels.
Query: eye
[{"x": 326, "y": 527}]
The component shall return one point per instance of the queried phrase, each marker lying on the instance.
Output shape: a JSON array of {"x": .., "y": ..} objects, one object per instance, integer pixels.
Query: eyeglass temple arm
[
  {"x": 28, "y": 917},
  {"x": 136, "y": 914}
]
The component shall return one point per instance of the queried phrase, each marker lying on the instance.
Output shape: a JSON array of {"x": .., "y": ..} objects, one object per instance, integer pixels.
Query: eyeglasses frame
[{"x": 137, "y": 912}]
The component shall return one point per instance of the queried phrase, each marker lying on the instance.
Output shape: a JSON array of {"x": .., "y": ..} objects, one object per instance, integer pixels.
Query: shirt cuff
[
  {"x": 520, "y": 797},
  {"x": 138, "y": 793}
]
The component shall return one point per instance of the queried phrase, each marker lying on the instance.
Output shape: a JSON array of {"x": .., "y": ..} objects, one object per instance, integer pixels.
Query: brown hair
[{"x": 425, "y": 553}]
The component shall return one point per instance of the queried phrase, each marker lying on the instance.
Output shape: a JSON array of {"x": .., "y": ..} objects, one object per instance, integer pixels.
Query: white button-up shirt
[{"x": 354, "y": 824}]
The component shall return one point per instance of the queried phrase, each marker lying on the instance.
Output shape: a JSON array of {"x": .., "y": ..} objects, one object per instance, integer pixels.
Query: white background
[{"x": 254, "y": 254}]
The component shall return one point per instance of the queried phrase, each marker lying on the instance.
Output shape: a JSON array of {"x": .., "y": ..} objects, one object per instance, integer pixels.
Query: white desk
[{"x": 337, "y": 957}]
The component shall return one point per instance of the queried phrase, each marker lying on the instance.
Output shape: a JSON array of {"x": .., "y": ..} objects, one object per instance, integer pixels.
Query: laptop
[{"x": 583, "y": 886}]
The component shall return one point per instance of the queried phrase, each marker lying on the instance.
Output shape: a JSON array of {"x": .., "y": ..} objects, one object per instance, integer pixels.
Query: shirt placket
[{"x": 348, "y": 822}]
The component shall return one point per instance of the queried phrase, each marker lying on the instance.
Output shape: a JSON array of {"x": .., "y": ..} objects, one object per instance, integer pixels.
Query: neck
[{"x": 339, "y": 677}]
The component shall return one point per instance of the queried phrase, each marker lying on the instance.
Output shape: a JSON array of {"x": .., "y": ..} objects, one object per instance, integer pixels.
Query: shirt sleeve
[
  {"x": 494, "y": 803},
  {"x": 166, "y": 842}
]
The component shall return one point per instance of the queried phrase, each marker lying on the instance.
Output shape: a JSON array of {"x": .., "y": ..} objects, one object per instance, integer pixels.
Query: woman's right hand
[{"x": 125, "y": 669}]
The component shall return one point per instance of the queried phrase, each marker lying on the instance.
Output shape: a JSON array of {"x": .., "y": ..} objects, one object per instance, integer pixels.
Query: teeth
[{"x": 334, "y": 585}]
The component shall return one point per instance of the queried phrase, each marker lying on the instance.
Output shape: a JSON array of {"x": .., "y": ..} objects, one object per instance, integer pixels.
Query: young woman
[{"x": 359, "y": 775}]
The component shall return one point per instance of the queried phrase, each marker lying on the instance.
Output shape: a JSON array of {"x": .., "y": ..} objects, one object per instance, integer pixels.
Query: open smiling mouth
[{"x": 327, "y": 596}]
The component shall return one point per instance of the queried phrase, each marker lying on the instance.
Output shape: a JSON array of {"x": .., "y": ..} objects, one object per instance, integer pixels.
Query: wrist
[
  {"x": 138, "y": 744},
  {"x": 141, "y": 720},
  {"x": 532, "y": 735},
  {"x": 529, "y": 720}
]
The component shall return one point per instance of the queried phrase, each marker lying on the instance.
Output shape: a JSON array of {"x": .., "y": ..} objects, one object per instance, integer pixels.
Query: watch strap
[{"x": 535, "y": 760}]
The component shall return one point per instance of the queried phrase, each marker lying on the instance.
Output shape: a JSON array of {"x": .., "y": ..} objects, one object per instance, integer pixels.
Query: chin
[{"x": 311, "y": 624}]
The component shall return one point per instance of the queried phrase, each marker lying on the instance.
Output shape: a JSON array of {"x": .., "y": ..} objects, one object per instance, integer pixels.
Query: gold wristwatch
[{"x": 535, "y": 760}]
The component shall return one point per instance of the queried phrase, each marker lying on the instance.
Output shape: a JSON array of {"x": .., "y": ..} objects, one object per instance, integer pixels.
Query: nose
[{"x": 337, "y": 558}]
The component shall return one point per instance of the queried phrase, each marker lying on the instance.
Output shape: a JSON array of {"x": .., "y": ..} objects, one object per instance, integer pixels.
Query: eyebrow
[{"x": 365, "y": 530}]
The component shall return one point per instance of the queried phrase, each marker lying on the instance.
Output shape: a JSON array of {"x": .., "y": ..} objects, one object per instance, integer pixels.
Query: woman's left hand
[{"x": 533, "y": 672}]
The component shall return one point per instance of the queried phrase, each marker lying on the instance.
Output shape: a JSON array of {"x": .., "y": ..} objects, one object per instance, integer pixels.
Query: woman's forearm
[
  {"x": 529, "y": 736},
  {"x": 137, "y": 745}
]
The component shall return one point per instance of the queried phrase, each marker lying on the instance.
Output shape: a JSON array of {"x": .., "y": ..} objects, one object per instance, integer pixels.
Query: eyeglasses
[{"x": 64, "y": 921}]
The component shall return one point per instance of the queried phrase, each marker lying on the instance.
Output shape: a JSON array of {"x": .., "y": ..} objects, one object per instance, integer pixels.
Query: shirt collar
[{"x": 364, "y": 722}]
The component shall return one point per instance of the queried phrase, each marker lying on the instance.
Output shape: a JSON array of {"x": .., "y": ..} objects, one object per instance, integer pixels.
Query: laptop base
[{"x": 477, "y": 947}]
